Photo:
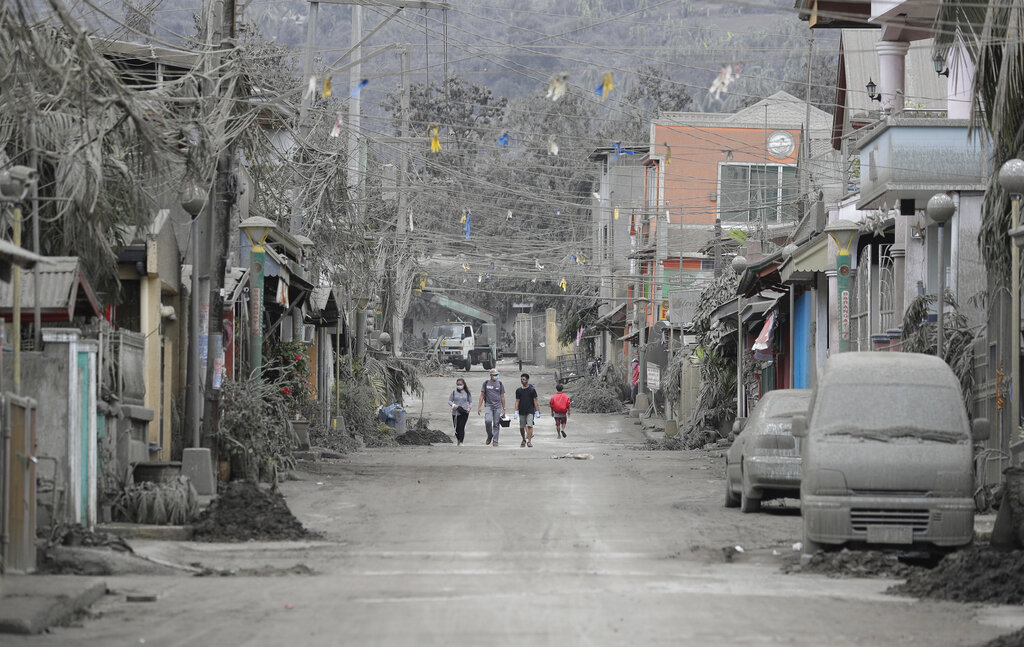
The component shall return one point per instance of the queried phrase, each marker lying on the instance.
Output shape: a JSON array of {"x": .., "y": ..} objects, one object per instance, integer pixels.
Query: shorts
[
  {"x": 559, "y": 417},
  {"x": 525, "y": 420}
]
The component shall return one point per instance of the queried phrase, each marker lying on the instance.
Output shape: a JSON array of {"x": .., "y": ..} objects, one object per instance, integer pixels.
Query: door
[{"x": 19, "y": 413}]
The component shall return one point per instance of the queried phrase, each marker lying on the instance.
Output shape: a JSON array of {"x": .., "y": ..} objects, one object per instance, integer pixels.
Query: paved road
[{"x": 476, "y": 545}]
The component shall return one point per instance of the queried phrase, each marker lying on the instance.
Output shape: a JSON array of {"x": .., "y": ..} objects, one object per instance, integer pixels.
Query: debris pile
[
  {"x": 592, "y": 395},
  {"x": 338, "y": 440},
  {"x": 854, "y": 563},
  {"x": 668, "y": 443},
  {"x": 976, "y": 574},
  {"x": 244, "y": 511},
  {"x": 1016, "y": 639},
  {"x": 421, "y": 434}
]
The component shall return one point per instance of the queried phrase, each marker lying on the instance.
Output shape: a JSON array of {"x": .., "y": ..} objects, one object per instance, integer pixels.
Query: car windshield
[
  {"x": 888, "y": 411},
  {"x": 446, "y": 331},
  {"x": 787, "y": 405}
]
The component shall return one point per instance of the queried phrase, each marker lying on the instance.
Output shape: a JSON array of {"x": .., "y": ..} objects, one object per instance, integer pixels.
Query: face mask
[
  {"x": 524, "y": 382},
  {"x": 458, "y": 386},
  {"x": 494, "y": 377}
]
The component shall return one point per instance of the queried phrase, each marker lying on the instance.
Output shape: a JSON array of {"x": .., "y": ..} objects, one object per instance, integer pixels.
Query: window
[{"x": 749, "y": 192}]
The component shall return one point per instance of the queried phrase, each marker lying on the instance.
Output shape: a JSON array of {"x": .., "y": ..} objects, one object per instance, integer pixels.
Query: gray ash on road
[
  {"x": 1016, "y": 639},
  {"x": 244, "y": 511},
  {"x": 976, "y": 574},
  {"x": 853, "y": 563}
]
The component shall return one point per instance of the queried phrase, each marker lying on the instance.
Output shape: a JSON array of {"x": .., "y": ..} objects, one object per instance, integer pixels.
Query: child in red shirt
[{"x": 559, "y": 405}]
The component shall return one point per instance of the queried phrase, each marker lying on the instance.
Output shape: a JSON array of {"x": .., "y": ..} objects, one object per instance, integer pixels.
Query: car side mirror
[
  {"x": 799, "y": 426},
  {"x": 738, "y": 424},
  {"x": 732, "y": 437},
  {"x": 980, "y": 429}
]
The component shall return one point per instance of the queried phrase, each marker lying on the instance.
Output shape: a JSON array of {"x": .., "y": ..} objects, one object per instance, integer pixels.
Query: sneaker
[
  {"x": 494, "y": 444},
  {"x": 529, "y": 444},
  {"x": 522, "y": 444},
  {"x": 563, "y": 434}
]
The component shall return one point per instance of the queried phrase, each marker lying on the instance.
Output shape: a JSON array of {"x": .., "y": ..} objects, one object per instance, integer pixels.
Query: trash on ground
[
  {"x": 854, "y": 563},
  {"x": 579, "y": 457}
]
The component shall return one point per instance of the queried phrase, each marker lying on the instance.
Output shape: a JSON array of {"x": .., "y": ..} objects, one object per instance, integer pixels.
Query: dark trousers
[{"x": 459, "y": 420}]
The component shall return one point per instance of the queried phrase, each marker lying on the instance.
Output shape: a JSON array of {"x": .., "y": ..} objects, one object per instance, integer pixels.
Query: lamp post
[
  {"x": 940, "y": 209},
  {"x": 1011, "y": 178},
  {"x": 840, "y": 231},
  {"x": 641, "y": 392},
  {"x": 739, "y": 265},
  {"x": 193, "y": 199},
  {"x": 256, "y": 230}
]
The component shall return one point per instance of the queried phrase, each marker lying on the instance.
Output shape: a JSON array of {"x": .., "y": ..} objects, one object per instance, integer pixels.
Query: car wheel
[
  {"x": 731, "y": 500},
  {"x": 747, "y": 502}
]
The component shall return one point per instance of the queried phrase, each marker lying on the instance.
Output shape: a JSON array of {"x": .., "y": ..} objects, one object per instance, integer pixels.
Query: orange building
[{"x": 740, "y": 168}]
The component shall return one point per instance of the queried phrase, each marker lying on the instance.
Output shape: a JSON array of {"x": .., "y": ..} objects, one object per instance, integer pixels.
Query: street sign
[{"x": 653, "y": 377}]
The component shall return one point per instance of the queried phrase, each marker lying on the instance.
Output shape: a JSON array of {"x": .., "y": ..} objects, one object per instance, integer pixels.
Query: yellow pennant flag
[
  {"x": 435, "y": 143},
  {"x": 562, "y": 284},
  {"x": 326, "y": 93},
  {"x": 616, "y": 212}
]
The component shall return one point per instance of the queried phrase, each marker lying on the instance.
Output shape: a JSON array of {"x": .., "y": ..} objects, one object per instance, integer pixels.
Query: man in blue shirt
[{"x": 492, "y": 396}]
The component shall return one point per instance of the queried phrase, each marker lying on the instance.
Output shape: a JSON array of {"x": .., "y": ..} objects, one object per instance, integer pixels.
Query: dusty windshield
[
  {"x": 446, "y": 331},
  {"x": 788, "y": 405},
  {"x": 891, "y": 411}
]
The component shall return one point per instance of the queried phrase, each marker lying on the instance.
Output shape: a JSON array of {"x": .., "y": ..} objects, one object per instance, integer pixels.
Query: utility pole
[
  {"x": 402, "y": 182},
  {"x": 221, "y": 204}
]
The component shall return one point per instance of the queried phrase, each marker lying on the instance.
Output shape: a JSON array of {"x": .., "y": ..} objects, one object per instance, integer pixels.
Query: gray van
[{"x": 887, "y": 454}]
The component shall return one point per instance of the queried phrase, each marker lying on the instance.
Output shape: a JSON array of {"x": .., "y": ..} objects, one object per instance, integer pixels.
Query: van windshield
[
  {"x": 888, "y": 411},
  {"x": 446, "y": 331}
]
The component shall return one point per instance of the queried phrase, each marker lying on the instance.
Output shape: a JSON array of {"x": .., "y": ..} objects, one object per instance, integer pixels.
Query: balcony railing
[{"x": 917, "y": 153}]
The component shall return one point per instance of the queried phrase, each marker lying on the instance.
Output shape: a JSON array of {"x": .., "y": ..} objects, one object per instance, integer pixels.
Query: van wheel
[
  {"x": 731, "y": 500},
  {"x": 748, "y": 503}
]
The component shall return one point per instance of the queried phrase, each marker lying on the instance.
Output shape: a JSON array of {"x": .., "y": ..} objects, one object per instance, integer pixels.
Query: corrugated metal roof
[{"x": 63, "y": 292}]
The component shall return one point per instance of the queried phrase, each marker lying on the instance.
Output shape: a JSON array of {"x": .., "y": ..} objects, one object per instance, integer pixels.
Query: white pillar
[
  {"x": 960, "y": 83},
  {"x": 892, "y": 56}
]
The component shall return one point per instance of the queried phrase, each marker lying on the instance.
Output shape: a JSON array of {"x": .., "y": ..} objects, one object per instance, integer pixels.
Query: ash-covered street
[{"x": 474, "y": 545}]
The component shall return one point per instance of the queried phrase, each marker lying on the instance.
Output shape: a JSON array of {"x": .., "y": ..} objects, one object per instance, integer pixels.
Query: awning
[
  {"x": 64, "y": 293},
  {"x": 806, "y": 261}
]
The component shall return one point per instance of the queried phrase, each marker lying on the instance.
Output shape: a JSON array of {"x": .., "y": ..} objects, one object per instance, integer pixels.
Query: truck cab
[{"x": 462, "y": 345}]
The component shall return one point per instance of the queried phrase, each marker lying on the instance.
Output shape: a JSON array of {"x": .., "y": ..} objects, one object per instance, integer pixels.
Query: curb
[
  {"x": 143, "y": 531},
  {"x": 31, "y": 607}
]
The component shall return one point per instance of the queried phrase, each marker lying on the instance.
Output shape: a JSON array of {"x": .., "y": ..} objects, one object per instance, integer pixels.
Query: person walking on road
[
  {"x": 461, "y": 401},
  {"x": 492, "y": 395},
  {"x": 526, "y": 407},
  {"x": 560, "y": 404}
]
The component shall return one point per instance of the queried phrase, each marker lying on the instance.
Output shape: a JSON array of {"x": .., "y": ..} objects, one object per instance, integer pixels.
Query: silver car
[{"x": 764, "y": 460}]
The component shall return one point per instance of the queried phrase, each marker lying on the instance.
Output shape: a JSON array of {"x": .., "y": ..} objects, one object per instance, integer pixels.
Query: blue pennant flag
[
  {"x": 619, "y": 150},
  {"x": 362, "y": 84},
  {"x": 466, "y": 228},
  {"x": 503, "y": 140}
]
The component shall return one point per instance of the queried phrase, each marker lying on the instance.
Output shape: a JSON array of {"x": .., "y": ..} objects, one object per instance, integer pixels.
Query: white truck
[{"x": 463, "y": 346}]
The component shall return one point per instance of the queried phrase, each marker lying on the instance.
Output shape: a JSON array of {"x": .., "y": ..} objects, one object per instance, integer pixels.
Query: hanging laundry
[
  {"x": 536, "y": 263},
  {"x": 583, "y": 259},
  {"x": 336, "y": 130},
  {"x": 359, "y": 86},
  {"x": 620, "y": 151},
  {"x": 726, "y": 75},
  {"x": 410, "y": 220},
  {"x": 508, "y": 216},
  {"x": 558, "y": 85},
  {"x": 465, "y": 267},
  {"x": 480, "y": 278},
  {"x": 326, "y": 93},
  {"x": 311, "y": 89},
  {"x": 503, "y": 140},
  {"x": 435, "y": 143},
  {"x": 605, "y": 88},
  {"x": 552, "y": 146}
]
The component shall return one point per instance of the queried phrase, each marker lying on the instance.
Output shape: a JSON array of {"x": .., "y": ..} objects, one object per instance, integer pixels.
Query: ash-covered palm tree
[{"x": 992, "y": 33}]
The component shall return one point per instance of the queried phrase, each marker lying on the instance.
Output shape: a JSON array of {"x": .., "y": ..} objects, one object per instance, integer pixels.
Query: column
[{"x": 892, "y": 57}]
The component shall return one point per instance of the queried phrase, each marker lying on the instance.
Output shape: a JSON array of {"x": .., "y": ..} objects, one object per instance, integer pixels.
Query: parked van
[{"x": 887, "y": 454}]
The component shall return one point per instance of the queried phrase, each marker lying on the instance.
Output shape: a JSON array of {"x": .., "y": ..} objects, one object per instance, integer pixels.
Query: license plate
[{"x": 890, "y": 535}]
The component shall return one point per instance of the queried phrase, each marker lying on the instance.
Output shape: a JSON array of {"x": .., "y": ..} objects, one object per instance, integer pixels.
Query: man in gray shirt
[{"x": 492, "y": 396}]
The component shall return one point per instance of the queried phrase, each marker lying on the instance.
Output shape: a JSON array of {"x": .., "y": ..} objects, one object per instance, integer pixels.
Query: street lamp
[
  {"x": 256, "y": 230},
  {"x": 193, "y": 199},
  {"x": 1011, "y": 178},
  {"x": 843, "y": 230},
  {"x": 739, "y": 265},
  {"x": 940, "y": 209}
]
